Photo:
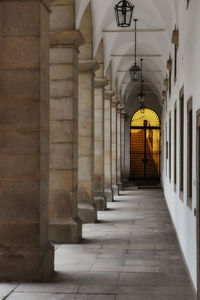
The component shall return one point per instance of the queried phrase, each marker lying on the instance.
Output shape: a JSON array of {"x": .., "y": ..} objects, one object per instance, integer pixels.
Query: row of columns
[{"x": 61, "y": 137}]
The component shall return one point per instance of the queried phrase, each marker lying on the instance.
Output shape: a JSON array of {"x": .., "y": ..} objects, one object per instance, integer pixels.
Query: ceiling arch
[{"x": 151, "y": 14}]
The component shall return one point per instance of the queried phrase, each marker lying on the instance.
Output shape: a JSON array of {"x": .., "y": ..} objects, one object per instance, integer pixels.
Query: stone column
[
  {"x": 123, "y": 113},
  {"x": 25, "y": 252},
  {"x": 127, "y": 134},
  {"x": 87, "y": 207},
  {"x": 108, "y": 145},
  {"x": 100, "y": 199},
  {"x": 64, "y": 224},
  {"x": 114, "y": 146},
  {"x": 119, "y": 109}
]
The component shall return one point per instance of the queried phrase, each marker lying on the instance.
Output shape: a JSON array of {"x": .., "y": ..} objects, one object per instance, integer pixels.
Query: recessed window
[
  {"x": 181, "y": 142},
  {"x": 175, "y": 41},
  {"x": 170, "y": 144},
  {"x": 166, "y": 143},
  {"x": 189, "y": 152},
  {"x": 175, "y": 62},
  {"x": 175, "y": 145},
  {"x": 169, "y": 67}
]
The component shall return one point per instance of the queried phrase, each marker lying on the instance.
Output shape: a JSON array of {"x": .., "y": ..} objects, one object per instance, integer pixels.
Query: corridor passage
[{"x": 130, "y": 254}]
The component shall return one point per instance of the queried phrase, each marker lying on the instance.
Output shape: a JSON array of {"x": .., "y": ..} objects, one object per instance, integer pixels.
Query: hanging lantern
[
  {"x": 124, "y": 13},
  {"x": 141, "y": 95},
  {"x": 135, "y": 73},
  {"x": 135, "y": 69}
]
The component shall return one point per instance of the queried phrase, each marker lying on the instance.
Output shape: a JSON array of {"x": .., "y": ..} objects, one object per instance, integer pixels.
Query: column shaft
[
  {"x": 64, "y": 224},
  {"x": 114, "y": 147},
  {"x": 108, "y": 145},
  {"x": 100, "y": 199},
  {"x": 25, "y": 252},
  {"x": 87, "y": 208},
  {"x": 122, "y": 146},
  {"x": 119, "y": 147}
]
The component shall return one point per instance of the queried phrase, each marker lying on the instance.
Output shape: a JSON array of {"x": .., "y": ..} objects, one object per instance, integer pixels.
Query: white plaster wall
[{"x": 189, "y": 76}]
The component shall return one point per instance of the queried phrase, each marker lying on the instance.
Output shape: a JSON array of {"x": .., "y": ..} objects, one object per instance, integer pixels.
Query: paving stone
[
  {"x": 130, "y": 254},
  {"x": 54, "y": 296},
  {"x": 6, "y": 288},
  {"x": 52, "y": 287}
]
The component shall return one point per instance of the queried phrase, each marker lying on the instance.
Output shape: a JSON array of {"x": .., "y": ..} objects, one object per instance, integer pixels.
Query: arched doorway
[{"x": 145, "y": 145}]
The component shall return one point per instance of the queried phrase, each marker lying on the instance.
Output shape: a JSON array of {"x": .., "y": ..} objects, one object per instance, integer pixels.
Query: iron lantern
[
  {"x": 135, "y": 72},
  {"x": 141, "y": 97},
  {"x": 124, "y": 13}
]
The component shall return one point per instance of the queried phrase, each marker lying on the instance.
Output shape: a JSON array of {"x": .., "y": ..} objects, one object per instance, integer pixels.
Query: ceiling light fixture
[
  {"x": 141, "y": 95},
  {"x": 124, "y": 13}
]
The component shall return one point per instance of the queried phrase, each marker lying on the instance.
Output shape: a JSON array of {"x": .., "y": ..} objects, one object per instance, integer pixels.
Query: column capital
[
  {"x": 62, "y": 2},
  {"x": 115, "y": 102},
  {"x": 123, "y": 113},
  {"x": 66, "y": 38},
  {"x": 120, "y": 107},
  {"x": 100, "y": 82},
  {"x": 108, "y": 94},
  {"x": 88, "y": 65}
]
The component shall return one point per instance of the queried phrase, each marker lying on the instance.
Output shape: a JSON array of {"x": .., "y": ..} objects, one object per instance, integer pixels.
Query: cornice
[
  {"x": 66, "y": 38},
  {"x": 108, "y": 94},
  {"x": 100, "y": 82},
  {"x": 88, "y": 65}
]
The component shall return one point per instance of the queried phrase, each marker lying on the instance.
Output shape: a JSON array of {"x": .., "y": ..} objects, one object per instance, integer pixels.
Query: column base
[
  {"x": 119, "y": 184},
  {"x": 115, "y": 189},
  {"x": 109, "y": 195},
  {"x": 27, "y": 263},
  {"x": 100, "y": 203},
  {"x": 87, "y": 213},
  {"x": 65, "y": 232}
]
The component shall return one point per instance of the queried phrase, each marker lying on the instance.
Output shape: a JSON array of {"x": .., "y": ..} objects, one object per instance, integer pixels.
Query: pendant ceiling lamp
[
  {"x": 141, "y": 95},
  {"x": 124, "y": 13},
  {"x": 135, "y": 69}
]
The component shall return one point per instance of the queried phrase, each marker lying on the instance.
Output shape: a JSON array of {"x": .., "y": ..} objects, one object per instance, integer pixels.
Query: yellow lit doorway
[{"x": 145, "y": 145}]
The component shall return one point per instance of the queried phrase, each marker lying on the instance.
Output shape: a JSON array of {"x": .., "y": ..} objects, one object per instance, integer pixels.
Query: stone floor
[{"x": 131, "y": 254}]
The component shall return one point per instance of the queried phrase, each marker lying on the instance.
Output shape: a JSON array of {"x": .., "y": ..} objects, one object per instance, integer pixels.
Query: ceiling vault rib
[
  {"x": 138, "y": 55},
  {"x": 153, "y": 71},
  {"x": 133, "y": 30},
  {"x": 145, "y": 83}
]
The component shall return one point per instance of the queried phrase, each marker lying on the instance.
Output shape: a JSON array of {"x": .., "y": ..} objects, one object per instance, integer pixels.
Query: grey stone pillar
[
  {"x": 108, "y": 145},
  {"x": 100, "y": 199},
  {"x": 64, "y": 224},
  {"x": 119, "y": 109},
  {"x": 25, "y": 251},
  {"x": 123, "y": 113},
  {"x": 114, "y": 147},
  {"x": 86, "y": 206}
]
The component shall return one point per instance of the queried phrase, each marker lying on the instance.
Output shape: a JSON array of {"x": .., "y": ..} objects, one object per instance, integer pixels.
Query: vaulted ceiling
[{"x": 156, "y": 21}]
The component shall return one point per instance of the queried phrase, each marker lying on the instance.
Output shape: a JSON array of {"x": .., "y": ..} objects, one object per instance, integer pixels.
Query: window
[
  {"x": 175, "y": 62},
  {"x": 170, "y": 144},
  {"x": 175, "y": 41},
  {"x": 189, "y": 152},
  {"x": 175, "y": 145},
  {"x": 166, "y": 146},
  {"x": 181, "y": 142},
  {"x": 169, "y": 67}
]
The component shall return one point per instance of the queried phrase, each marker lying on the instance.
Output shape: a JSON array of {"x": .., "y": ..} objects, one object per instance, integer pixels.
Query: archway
[{"x": 145, "y": 145}]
